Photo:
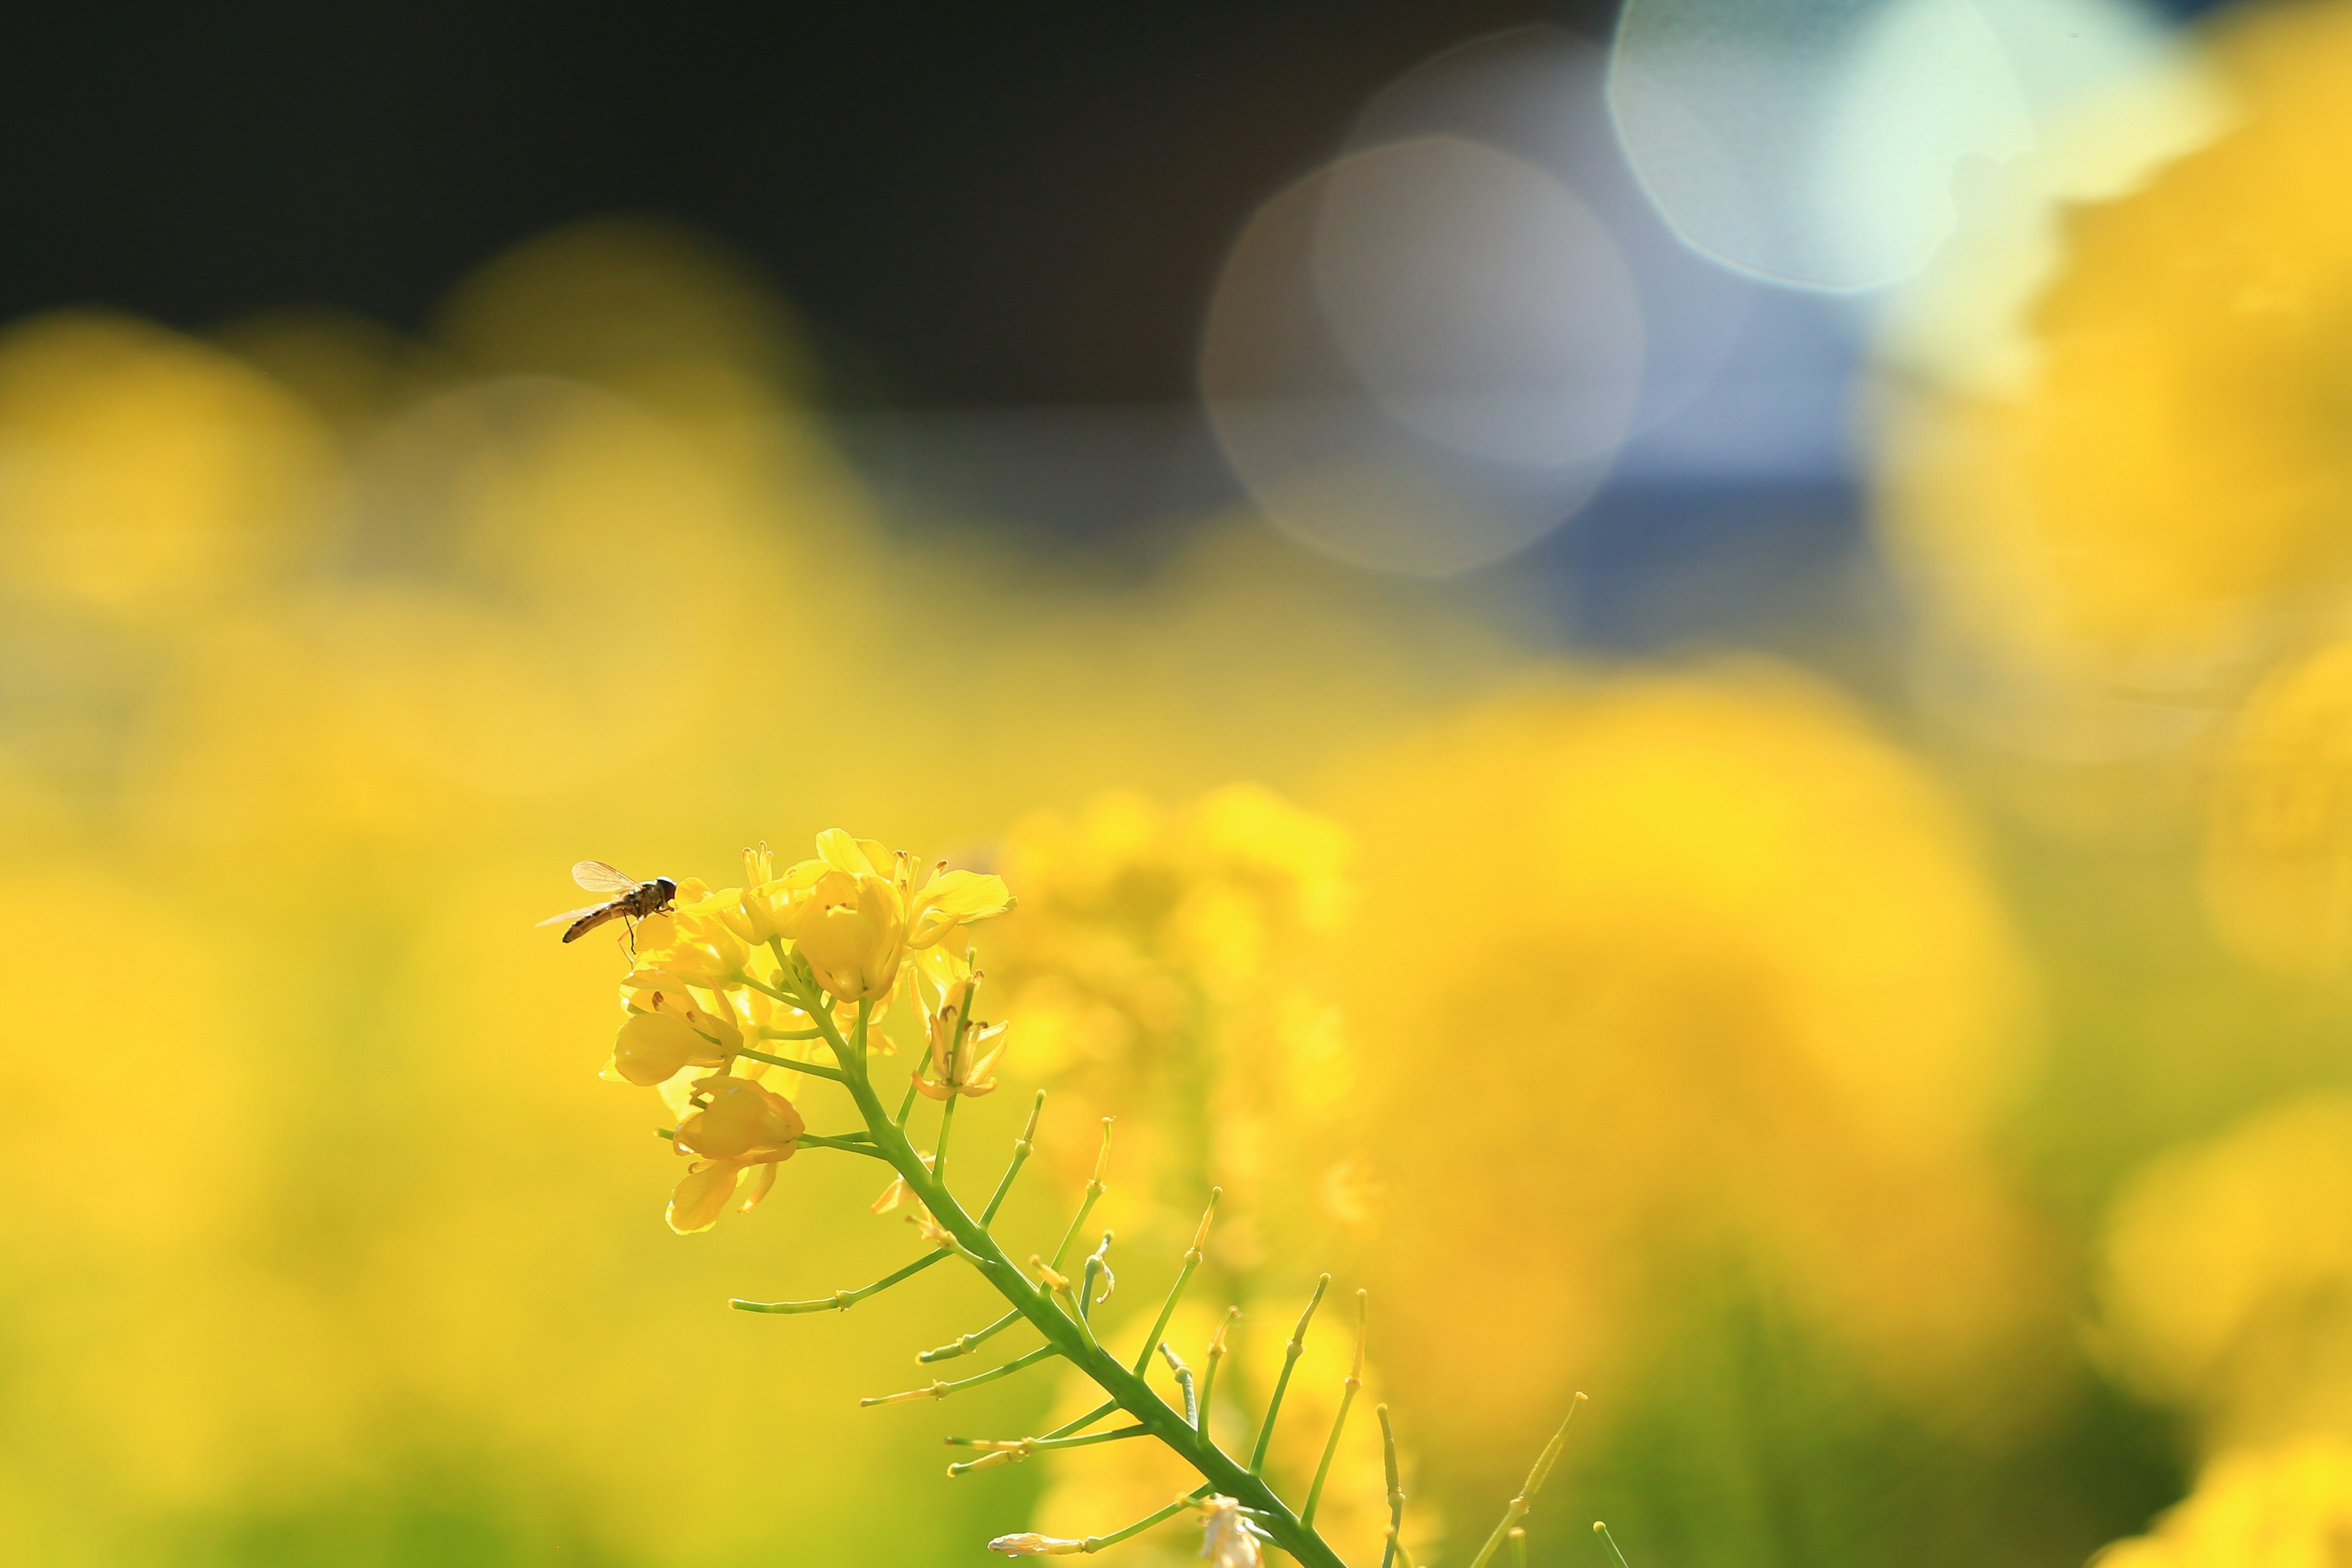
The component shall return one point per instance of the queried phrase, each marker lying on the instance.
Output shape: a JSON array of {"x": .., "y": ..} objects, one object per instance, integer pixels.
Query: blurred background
[{"x": 1672, "y": 679}]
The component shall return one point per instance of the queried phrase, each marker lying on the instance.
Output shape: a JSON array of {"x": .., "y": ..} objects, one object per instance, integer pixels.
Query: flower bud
[{"x": 1029, "y": 1544}]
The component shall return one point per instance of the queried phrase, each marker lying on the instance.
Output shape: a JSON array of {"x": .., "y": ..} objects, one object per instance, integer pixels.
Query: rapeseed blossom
[{"x": 726, "y": 974}]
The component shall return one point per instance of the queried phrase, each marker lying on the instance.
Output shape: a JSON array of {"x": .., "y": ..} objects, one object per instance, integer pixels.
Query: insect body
[{"x": 628, "y": 899}]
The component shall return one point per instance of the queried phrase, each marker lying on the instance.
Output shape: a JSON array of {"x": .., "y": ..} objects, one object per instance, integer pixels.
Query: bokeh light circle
[
  {"x": 1539, "y": 93},
  {"x": 1420, "y": 359},
  {"x": 1822, "y": 146}
]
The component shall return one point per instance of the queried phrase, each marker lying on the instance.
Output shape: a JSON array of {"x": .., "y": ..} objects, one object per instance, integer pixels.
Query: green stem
[
  {"x": 1183, "y": 1276},
  {"x": 1216, "y": 1354},
  {"x": 847, "y": 1145},
  {"x": 964, "y": 1344},
  {"x": 764, "y": 989},
  {"x": 812, "y": 1068},
  {"x": 1042, "y": 1445},
  {"x": 841, "y": 1300},
  {"x": 955, "y": 1050},
  {"x": 1281, "y": 1383},
  {"x": 1601, "y": 1530},
  {"x": 1088, "y": 1419},
  {"x": 1096, "y": 1543},
  {"x": 941, "y": 1390},
  {"x": 1095, "y": 1190},
  {"x": 1021, "y": 1147},
  {"x": 1193, "y": 1407},
  {"x": 1516, "y": 1508},
  {"x": 1066, "y": 1336},
  {"x": 1347, "y": 1397},
  {"x": 1395, "y": 1538}
]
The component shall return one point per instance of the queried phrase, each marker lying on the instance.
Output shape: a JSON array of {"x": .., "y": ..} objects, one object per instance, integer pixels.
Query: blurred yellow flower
[
  {"x": 145, "y": 470},
  {"x": 1180, "y": 957},
  {"x": 2227, "y": 1276},
  {"x": 2282, "y": 1508},
  {"x": 1744, "y": 950},
  {"x": 2174, "y": 478}
]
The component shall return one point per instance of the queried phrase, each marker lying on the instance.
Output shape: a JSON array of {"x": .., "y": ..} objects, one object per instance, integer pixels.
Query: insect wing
[
  {"x": 569, "y": 915},
  {"x": 599, "y": 877}
]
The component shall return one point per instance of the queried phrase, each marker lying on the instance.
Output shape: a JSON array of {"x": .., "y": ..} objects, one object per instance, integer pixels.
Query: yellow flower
[
  {"x": 853, "y": 932},
  {"x": 671, "y": 1035},
  {"x": 761, "y": 909},
  {"x": 738, "y": 1125},
  {"x": 2282, "y": 1508},
  {"x": 865, "y": 906},
  {"x": 692, "y": 945},
  {"x": 959, "y": 1067},
  {"x": 740, "y": 1120}
]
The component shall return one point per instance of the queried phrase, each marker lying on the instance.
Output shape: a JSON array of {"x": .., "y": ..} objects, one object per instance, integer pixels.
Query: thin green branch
[
  {"x": 1392, "y": 1542},
  {"x": 813, "y": 1070},
  {"x": 1338, "y": 1424},
  {"x": 1601, "y": 1530},
  {"x": 1021, "y": 1147},
  {"x": 1216, "y": 1354},
  {"x": 1193, "y": 1255},
  {"x": 1517, "y": 1510},
  {"x": 1096, "y": 1543},
  {"x": 1012, "y": 1450},
  {"x": 1095, "y": 1190},
  {"x": 1088, "y": 1419},
  {"x": 1191, "y": 1396},
  {"x": 941, "y": 1390},
  {"x": 1518, "y": 1546},
  {"x": 1097, "y": 1267},
  {"x": 847, "y": 1145},
  {"x": 764, "y": 989},
  {"x": 1282, "y": 1382},
  {"x": 1068, "y": 1336},
  {"x": 841, "y": 1300},
  {"x": 964, "y": 1344},
  {"x": 955, "y": 1050}
]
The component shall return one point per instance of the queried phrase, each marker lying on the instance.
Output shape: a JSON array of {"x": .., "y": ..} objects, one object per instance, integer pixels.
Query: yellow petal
[
  {"x": 761, "y": 1183},
  {"x": 864, "y": 856},
  {"x": 697, "y": 1201}
]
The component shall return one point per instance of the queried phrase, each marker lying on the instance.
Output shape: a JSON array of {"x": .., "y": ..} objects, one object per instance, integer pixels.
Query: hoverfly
[{"x": 628, "y": 900}]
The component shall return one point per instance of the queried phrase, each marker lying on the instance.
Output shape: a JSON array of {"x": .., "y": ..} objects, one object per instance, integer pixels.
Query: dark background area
[{"x": 972, "y": 204}]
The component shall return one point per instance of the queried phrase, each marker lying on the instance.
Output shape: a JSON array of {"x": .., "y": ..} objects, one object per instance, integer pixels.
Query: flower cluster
[
  {"x": 732, "y": 982},
  {"x": 720, "y": 975}
]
